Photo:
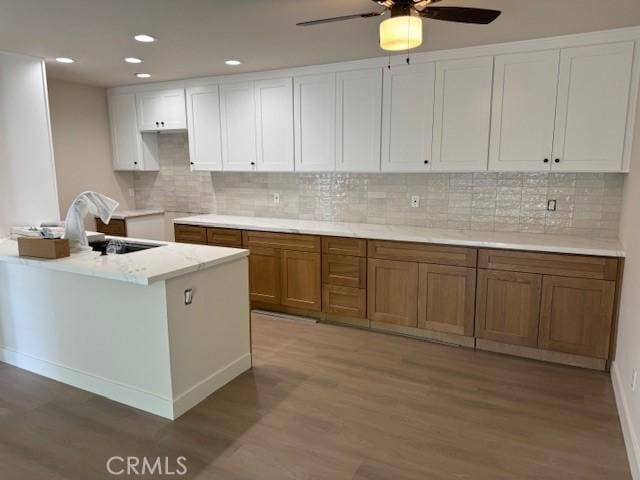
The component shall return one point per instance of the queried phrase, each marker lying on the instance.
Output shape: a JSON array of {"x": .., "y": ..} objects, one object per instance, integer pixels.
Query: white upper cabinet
[
  {"x": 274, "y": 125},
  {"x": 524, "y": 111},
  {"x": 203, "y": 116},
  {"x": 238, "y": 122},
  {"x": 314, "y": 103},
  {"x": 161, "y": 110},
  {"x": 358, "y": 120},
  {"x": 131, "y": 149},
  {"x": 593, "y": 103},
  {"x": 407, "y": 118},
  {"x": 462, "y": 114}
]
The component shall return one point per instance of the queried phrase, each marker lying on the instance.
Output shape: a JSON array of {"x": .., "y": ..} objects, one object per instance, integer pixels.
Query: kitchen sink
[{"x": 121, "y": 247}]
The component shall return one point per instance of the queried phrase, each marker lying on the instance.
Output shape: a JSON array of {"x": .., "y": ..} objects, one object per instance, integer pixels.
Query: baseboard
[
  {"x": 194, "y": 395},
  {"x": 118, "y": 392},
  {"x": 630, "y": 435}
]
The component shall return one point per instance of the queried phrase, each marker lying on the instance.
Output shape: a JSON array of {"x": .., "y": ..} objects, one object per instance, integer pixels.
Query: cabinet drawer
[
  {"x": 116, "y": 228},
  {"x": 224, "y": 237},
  {"x": 355, "y": 247},
  {"x": 190, "y": 234},
  {"x": 565, "y": 265},
  {"x": 345, "y": 271},
  {"x": 423, "y": 253},
  {"x": 346, "y": 301},
  {"x": 284, "y": 241}
]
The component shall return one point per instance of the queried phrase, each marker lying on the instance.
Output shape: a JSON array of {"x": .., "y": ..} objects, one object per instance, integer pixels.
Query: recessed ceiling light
[
  {"x": 133, "y": 60},
  {"x": 65, "y": 60},
  {"x": 144, "y": 38},
  {"x": 233, "y": 63},
  {"x": 143, "y": 75}
]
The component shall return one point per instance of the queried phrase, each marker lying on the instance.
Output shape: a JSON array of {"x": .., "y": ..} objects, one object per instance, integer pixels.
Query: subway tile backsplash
[{"x": 588, "y": 204}]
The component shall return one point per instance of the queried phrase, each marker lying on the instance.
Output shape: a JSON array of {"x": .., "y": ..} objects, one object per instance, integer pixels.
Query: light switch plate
[
  {"x": 276, "y": 198},
  {"x": 415, "y": 201},
  {"x": 551, "y": 205}
]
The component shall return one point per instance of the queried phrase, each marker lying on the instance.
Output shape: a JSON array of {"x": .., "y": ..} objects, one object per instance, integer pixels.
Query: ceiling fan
[{"x": 403, "y": 31}]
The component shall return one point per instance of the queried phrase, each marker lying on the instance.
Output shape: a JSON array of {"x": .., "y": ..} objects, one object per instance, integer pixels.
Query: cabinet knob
[
  {"x": 157, "y": 124},
  {"x": 162, "y": 123},
  {"x": 135, "y": 163},
  {"x": 426, "y": 161},
  {"x": 546, "y": 160},
  {"x": 557, "y": 160},
  {"x": 191, "y": 163}
]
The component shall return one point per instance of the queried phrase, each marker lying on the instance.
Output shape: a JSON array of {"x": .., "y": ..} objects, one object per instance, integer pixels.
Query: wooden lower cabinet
[
  {"x": 576, "y": 315},
  {"x": 264, "y": 275},
  {"x": 344, "y": 301},
  {"x": 508, "y": 307},
  {"x": 301, "y": 280},
  {"x": 446, "y": 298},
  {"x": 115, "y": 228},
  {"x": 392, "y": 292}
]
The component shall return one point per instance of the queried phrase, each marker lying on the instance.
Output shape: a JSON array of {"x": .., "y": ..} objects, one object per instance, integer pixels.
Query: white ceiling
[{"x": 196, "y": 36}]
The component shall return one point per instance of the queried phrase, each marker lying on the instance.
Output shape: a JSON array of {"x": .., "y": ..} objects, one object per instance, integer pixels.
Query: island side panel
[
  {"x": 104, "y": 336},
  {"x": 209, "y": 339}
]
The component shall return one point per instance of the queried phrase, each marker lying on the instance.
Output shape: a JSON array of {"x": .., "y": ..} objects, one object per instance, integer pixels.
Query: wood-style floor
[{"x": 327, "y": 402}]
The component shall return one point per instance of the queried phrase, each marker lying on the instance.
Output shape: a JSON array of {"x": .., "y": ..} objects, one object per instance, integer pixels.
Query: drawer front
[
  {"x": 423, "y": 253},
  {"x": 117, "y": 228},
  {"x": 284, "y": 241},
  {"x": 190, "y": 234},
  {"x": 344, "y": 271},
  {"x": 224, "y": 237},
  {"x": 355, "y": 247},
  {"x": 601, "y": 268},
  {"x": 345, "y": 301}
]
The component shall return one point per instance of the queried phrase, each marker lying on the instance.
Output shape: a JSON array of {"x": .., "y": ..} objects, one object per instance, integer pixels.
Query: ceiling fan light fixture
[{"x": 401, "y": 32}]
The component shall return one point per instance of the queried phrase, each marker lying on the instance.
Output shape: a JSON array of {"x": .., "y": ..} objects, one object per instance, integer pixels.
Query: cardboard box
[{"x": 43, "y": 247}]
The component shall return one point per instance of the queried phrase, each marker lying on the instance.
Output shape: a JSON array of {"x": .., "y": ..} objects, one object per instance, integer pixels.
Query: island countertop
[
  {"x": 468, "y": 238},
  {"x": 141, "y": 268}
]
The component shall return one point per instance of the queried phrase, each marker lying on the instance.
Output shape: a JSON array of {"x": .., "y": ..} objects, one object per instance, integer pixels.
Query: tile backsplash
[{"x": 588, "y": 204}]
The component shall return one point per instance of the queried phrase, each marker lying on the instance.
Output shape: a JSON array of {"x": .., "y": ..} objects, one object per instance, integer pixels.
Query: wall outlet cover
[
  {"x": 415, "y": 201},
  {"x": 276, "y": 198},
  {"x": 551, "y": 205}
]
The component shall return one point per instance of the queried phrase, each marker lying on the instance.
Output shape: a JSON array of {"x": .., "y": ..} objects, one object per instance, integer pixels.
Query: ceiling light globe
[{"x": 401, "y": 33}]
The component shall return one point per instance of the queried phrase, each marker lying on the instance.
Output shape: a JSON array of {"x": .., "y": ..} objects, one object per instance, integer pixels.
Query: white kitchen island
[{"x": 121, "y": 326}]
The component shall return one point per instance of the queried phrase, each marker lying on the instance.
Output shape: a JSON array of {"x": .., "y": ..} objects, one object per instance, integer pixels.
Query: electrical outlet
[
  {"x": 276, "y": 198},
  {"x": 634, "y": 380},
  {"x": 551, "y": 205},
  {"x": 415, "y": 201}
]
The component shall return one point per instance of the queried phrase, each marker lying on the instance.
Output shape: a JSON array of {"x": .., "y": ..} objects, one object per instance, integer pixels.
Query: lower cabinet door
[
  {"x": 446, "y": 300},
  {"x": 576, "y": 315},
  {"x": 392, "y": 292},
  {"x": 264, "y": 275},
  {"x": 301, "y": 280},
  {"x": 344, "y": 301},
  {"x": 508, "y": 307}
]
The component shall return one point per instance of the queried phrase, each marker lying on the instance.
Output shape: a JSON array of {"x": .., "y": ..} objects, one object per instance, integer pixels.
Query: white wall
[
  {"x": 628, "y": 342},
  {"x": 28, "y": 193},
  {"x": 82, "y": 145}
]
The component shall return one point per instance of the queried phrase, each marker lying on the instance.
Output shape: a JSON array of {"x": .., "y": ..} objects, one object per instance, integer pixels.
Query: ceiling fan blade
[
  {"x": 460, "y": 14},
  {"x": 339, "y": 19}
]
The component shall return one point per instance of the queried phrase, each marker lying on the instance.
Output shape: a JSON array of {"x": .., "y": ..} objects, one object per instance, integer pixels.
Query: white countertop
[
  {"x": 141, "y": 268},
  {"x": 468, "y": 238},
  {"x": 124, "y": 214}
]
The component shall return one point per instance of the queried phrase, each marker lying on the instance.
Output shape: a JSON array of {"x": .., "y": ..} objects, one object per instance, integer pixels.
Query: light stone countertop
[
  {"x": 468, "y": 238},
  {"x": 141, "y": 268},
  {"x": 124, "y": 214}
]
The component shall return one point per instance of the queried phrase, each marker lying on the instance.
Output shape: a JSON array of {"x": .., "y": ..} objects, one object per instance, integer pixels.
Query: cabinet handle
[
  {"x": 557, "y": 160},
  {"x": 157, "y": 124},
  {"x": 162, "y": 123},
  {"x": 546, "y": 160},
  {"x": 426, "y": 161}
]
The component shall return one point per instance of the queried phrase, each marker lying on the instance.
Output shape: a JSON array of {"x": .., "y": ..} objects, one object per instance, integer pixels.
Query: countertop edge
[{"x": 525, "y": 246}]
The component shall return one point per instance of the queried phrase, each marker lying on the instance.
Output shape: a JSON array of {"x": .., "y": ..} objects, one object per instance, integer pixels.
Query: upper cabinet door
[
  {"x": 315, "y": 122},
  {"x": 125, "y": 138},
  {"x": 462, "y": 114},
  {"x": 358, "y": 120},
  {"x": 205, "y": 146},
  {"x": 274, "y": 125},
  {"x": 407, "y": 117},
  {"x": 524, "y": 109},
  {"x": 593, "y": 103},
  {"x": 161, "y": 110},
  {"x": 238, "y": 121}
]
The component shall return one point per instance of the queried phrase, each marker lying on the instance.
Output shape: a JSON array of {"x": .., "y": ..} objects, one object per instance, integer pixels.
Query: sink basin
[{"x": 120, "y": 247}]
